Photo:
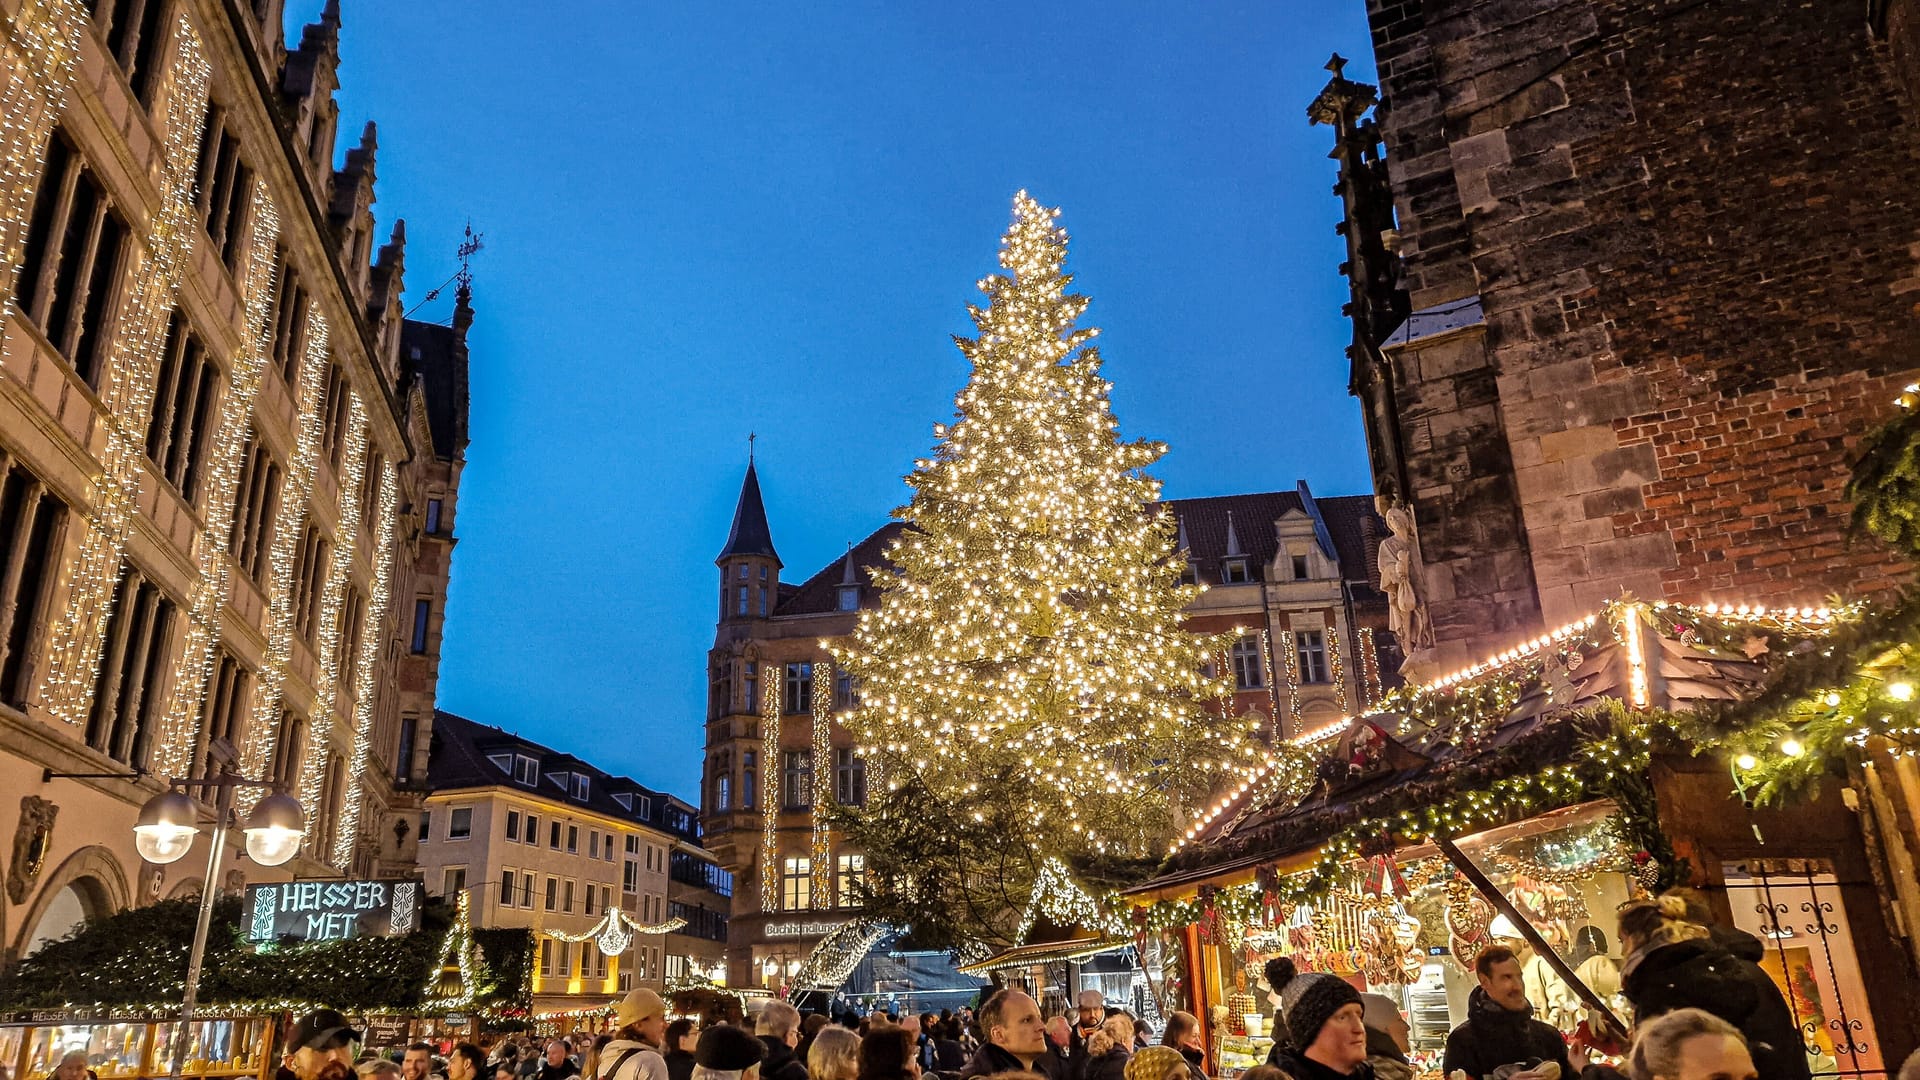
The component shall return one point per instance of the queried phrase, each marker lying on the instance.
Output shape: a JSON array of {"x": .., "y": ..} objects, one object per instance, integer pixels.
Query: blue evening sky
[{"x": 708, "y": 219}]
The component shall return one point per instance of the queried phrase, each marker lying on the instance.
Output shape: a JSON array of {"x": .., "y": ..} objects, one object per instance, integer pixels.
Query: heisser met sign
[{"x": 332, "y": 910}]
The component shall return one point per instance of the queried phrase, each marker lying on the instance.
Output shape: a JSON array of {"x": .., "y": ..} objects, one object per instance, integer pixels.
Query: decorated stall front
[
  {"x": 112, "y": 990},
  {"x": 1519, "y": 802}
]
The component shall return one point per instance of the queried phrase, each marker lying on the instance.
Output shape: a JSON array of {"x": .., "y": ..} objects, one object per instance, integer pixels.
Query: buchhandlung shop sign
[{"x": 332, "y": 910}]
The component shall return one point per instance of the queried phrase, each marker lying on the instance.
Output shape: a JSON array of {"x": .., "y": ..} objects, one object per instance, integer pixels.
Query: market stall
[
  {"x": 31, "y": 1045},
  {"x": 1510, "y": 803}
]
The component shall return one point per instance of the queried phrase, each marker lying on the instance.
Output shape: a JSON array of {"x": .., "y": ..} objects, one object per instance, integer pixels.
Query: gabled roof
[
  {"x": 1348, "y": 522},
  {"x": 750, "y": 534},
  {"x": 459, "y": 760}
]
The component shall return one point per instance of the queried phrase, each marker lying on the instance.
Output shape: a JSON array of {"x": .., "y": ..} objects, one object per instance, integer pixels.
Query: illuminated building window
[
  {"x": 1248, "y": 671},
  {"x": 224, "y": 712},
  {"x": 32, "y": 521},
  {"x": 1310, "y": 647},
  {"x": 72, "y": 261},
  {"x": 134, "y": 31},
  {"x": 796, "y": 779},
  {"x": 850, "y": 870},
  {"x": 183, "y": 403},
  {"x": 226, "y": 184},
  {"x": 796, "y": 883},
  {"x": 257, "y": 506}
]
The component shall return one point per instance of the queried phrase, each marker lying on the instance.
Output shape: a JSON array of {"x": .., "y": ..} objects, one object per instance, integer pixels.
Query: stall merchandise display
[{"x": 218, "y": 1047}]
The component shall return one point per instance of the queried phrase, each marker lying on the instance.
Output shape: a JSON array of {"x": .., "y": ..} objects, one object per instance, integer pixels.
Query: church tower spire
[{"x": 749, "y": 566}]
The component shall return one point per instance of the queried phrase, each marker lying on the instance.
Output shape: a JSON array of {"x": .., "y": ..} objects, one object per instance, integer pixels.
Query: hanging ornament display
[{"x": 615, "y": 931}]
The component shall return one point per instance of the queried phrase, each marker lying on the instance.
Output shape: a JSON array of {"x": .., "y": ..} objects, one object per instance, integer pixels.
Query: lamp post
[{"x": 165, "y": 831}]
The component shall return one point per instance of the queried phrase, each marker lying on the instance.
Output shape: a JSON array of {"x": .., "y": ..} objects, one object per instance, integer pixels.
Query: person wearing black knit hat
[
  {"x": 726, "y": 1052},
  {"x": 1279, "y": 972},
  {"x": 1329, "y": 1037}
]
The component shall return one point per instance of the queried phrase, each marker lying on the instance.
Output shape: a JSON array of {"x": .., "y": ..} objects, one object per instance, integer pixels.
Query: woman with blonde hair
[
  {"x": 1108, "y": 1049},
  {"x": 1183, "y": 1034},
  {"x": 834, "y": 1055}
]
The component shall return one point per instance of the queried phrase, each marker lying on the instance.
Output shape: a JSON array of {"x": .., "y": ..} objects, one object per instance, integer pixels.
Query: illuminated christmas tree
[{"x": 1026, "y": 665}]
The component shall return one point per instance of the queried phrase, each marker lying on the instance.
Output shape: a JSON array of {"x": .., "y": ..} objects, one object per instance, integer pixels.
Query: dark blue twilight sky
[{"x": 708, "y": 219}]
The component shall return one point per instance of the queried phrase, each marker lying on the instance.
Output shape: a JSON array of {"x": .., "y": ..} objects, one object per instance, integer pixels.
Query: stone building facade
[
  {"x": 229, "y": 460},
  {"x": 1294, "y": 574},
  {"x": 1661, "y": 261},
  {"x": 539, "y": 838}
]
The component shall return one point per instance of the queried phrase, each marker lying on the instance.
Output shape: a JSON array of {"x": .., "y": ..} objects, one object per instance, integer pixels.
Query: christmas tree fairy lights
[{"x": 1030, "y": 637}]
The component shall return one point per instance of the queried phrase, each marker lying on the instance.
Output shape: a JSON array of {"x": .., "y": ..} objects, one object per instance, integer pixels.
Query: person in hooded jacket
[
  {"x": 1500, "y": 1028},
  {"x": 1674, "y": 963}
]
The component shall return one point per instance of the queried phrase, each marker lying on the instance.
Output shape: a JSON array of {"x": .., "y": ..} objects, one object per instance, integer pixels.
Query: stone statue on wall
[
  {"x": 32, "y": 840},
  {"x": 1399, "y": 559}
]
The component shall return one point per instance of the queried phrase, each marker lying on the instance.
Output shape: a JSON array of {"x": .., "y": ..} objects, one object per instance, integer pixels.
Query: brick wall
[{"x": 1693, "y": 229}]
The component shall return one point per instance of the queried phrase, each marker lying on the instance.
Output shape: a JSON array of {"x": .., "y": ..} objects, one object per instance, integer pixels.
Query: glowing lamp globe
[
  {"x": 274, "y": 829},
  {"x": 167, "y": 826}
]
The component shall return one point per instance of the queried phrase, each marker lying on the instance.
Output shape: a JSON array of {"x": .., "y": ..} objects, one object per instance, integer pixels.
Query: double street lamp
[{"x": 165, "y": 831}]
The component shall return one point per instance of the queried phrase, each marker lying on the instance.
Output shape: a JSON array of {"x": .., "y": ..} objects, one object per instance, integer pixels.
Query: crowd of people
[{"x": 1702, "y": 1009}]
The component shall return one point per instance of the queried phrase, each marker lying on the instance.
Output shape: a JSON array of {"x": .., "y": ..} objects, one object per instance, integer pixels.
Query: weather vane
[{"x": 470, "y": 245}]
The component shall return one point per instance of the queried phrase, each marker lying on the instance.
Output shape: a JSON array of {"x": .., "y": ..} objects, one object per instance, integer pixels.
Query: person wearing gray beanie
[{"x": 1328, "y": 1036}]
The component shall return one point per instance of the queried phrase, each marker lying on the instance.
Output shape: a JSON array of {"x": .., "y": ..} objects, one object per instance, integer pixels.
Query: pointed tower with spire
[{"x": 749, "y": 566}]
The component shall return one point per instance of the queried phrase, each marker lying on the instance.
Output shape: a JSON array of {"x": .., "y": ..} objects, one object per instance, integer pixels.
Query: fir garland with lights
[{"x": 134, "y": 964}]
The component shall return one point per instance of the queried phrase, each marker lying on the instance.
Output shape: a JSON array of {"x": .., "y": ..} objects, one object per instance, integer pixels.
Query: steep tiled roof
[
  {"x": 459, "y": 761},
  {"x": 1352, "y": 527}
]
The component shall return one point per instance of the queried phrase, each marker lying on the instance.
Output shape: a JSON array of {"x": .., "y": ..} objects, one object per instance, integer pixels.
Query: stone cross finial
[{"x": 1337, "y": 65}]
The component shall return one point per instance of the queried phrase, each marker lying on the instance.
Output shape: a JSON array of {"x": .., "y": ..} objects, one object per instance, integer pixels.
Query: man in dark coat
[
  {"x": 779, "y": 1029},
  {"x": 1500, "y": 1028},
  {"x": 1697, "y": 972},
  {"x": 1016, "y": 1038}
]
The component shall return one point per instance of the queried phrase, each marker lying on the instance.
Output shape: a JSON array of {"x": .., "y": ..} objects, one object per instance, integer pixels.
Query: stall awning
[
  {"x": 1368, "y": 768},
  {"x": 1046, "y": 952}
]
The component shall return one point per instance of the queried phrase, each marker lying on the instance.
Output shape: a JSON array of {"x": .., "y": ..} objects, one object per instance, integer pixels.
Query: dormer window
[
  {"x": 580, "y": 786},
  {"x": 526, "y": 771},
  {"x": 1234, "y": 572},
  {"x": 849, "y": 598},
  {"x": 503, "y": 762},
  {"x": 624, "y": 798},
  {"x": 1300, "y": 568},
  {"x": 1189, "y": 574}
]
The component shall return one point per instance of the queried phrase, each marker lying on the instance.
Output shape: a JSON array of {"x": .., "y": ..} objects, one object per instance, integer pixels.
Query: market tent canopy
[
  {"x": 1046, "y": 952},
  {"x": 1529, "y": 708}
]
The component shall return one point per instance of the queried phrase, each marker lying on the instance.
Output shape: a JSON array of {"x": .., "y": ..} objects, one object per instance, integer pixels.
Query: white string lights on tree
[
  {"x": 1066, "y": 904},
  {"x": 1033, "y": 633},
  {"x": 131, "y": 367},
  {"x": 42, "y": 42},
  {"x": 615, "y": 931},
  {"x": 226, "y": 458},
  {"x": 770, "y": 791},
  {"x": 820, "y": 847}
]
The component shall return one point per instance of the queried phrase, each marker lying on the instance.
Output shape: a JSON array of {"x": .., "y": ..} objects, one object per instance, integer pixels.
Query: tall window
[
  {"x": 749, "y": 779},
  {"x": 347, "y": 644},
  {"x": 135, "y": 33},
  {"x": 290, "y": 305},
  {"x": 460, "y": 823},
  {"x": 454, "y": 882},
  {"x": 1311, "y": 648},
  {"x": 847, "y": 877},
  {"x": 224, "y": 713},
  {"x": 740, "y": 605},
  {"x": 129, "y": 691},
  {"x": 849, "y": 777},
  {"x": 722, "y": 781},
  {"x": 433, "y": 515},
  {"x": 796, "y": 883},
  {"x": 553, "y": 892},
  {"x": 526, "y": 889},
  {"x": 513, "y": 825},
  {"x": 796, "y": 779},
  {"x": 336, "y": 410},
  {"x": 422, "y": 613},
  {"x": 403, "y": 754},
  {"x": 225, "y": 190},
  {"x": 32, "y": 520},
  {"x": 799, "y": 696},
  {"x": 71, "y": 264},
  {"x": 507, "y": 878},
  {"x": 183, "y": 404},
  {"x": 750, "y": 686},
  {"x": 288, "y": 744},
  {"x": 566, "y": 896},
  {"x": 1248, "y": 672},
  {"x": 846, "y": 693},
  {"x": 310, "y": 580},
  {"x": 257, "y": 503}
]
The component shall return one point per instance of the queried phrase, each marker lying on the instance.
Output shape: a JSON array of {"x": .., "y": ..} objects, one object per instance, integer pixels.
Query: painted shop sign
[{"x": 332, "y": 910}]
